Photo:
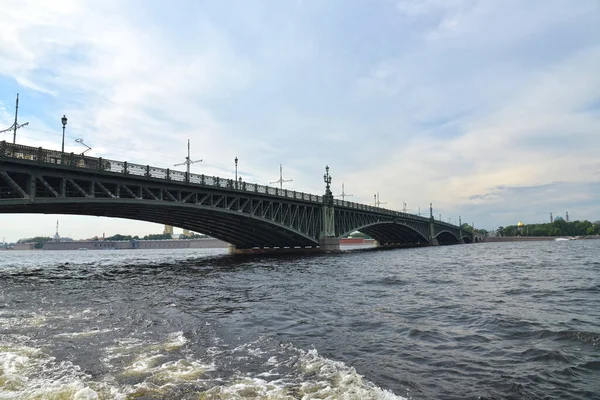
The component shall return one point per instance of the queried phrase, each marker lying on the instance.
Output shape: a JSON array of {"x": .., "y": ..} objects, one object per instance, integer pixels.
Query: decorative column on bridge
[
  {"x": 328, "y": 241},
  {"x": 432, "y": 240},
  {"x": 460, "y": 233}
]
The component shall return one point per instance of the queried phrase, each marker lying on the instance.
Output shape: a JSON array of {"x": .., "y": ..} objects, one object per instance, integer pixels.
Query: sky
[{"x": 489, "y": 109}]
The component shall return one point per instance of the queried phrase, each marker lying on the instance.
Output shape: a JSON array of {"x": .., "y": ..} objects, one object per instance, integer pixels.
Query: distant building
[
  {"x": 23, "y": 246},
  {"x": 135, "y": 244}
]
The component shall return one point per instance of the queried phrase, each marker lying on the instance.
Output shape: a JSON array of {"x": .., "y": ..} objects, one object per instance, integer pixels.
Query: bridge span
[{"x": 251, "y": 217}]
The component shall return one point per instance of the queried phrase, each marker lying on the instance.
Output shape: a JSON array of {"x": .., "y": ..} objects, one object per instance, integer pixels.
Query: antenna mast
[
  {"x": 377, "y": 202},
  {"x": 281, "y": 180},
  {"x": 343, "y": 195},
  {"x": 404, "y": 209},
  {"x": 188, "y": 160},
  {"x": 15, "y": 125}
]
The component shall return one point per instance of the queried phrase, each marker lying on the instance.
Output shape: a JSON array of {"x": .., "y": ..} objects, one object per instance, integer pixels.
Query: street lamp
[
  {"x": 236, "y": 161},
  {"x": 64, "y": 123}
]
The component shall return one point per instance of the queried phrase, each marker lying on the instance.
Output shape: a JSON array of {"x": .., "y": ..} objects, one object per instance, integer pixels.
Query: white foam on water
[
  {"x": 31, "y": 373},
  {"x": 141, "y": 368},
  {"x": 132, "y": 347},
  {"x": 85, "y": 333},
  {"x": 34, "y": 320},
  {"x": 336, "y": 380},
  {"x": 152, "y": 368},
  {"x": 312, "y": 377}
]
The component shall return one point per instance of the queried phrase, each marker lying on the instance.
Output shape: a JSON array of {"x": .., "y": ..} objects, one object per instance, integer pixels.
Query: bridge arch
[
  {"x": 241, "y": 229},
  {"x": 447, "y": 237},
  {"x": 391, "y": 232}
]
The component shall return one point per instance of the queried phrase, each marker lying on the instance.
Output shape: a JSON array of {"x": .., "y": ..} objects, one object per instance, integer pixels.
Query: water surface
[{"x": 492, "y": 320}]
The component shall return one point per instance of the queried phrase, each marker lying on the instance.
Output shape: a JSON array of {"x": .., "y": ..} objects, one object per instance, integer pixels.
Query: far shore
[{"x": 536, "y": 238}]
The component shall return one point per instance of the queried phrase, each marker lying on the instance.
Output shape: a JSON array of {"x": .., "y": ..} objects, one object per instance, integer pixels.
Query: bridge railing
[
  {"x": 123, "y": 167},
  {"x": 379, "y": 210}
]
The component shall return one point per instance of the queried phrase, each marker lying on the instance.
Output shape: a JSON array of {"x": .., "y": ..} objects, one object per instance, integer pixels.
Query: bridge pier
[
  {"x": 432, "y": 239},
  {"x": 329, "y": 244},
  {"x": 326, "y": 245}
]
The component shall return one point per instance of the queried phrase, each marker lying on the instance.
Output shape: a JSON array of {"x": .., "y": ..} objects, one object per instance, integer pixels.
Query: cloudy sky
[{"x": 489, "y": 109}]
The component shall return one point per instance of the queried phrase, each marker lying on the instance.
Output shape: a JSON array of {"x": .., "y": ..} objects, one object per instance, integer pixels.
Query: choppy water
[{"x": 493, "y": 320}]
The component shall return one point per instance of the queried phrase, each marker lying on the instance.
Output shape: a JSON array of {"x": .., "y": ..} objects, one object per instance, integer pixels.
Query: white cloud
[{"x": 477, "y": 124}]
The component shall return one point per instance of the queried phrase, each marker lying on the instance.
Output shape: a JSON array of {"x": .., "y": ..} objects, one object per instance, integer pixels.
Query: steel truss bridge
[{"x": 246, "y": 215}]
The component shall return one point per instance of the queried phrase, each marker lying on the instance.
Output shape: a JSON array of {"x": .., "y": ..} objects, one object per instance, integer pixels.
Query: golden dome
[{"x": 520, "y": 224}]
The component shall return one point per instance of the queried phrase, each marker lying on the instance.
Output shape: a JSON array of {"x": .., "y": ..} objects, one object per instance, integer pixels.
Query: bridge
[{"x": 251, "y": 217}]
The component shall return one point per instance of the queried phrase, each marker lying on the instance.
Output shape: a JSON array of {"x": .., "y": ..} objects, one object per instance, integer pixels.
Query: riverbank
[
  {"x": 536, "y": 238},
  {"x": 209, "y": 243}
]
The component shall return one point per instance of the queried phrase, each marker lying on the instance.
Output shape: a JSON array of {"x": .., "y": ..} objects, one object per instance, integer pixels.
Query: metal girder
[
  {"x": 47, "y": 185},
  {"x": 79, "y": 189},
  {"x": 386, "y": 229},
  {"x": 447, "y": 237},
  {"x": 14, "y": 185},
  {"x": 438, "y": 229}
]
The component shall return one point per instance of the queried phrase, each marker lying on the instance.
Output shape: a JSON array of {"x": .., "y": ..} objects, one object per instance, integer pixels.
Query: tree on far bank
[
  {"x": 157, "y": 236},
  {"x": 38, "y": 240},
  {"x": 559, "y": 227}
]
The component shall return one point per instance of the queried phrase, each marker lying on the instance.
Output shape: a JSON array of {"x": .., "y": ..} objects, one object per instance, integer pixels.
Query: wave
[
  {"x": 592, "y": 338},
  {"x": 167, "y": 369},
  {"x": 388, "y": 280}
]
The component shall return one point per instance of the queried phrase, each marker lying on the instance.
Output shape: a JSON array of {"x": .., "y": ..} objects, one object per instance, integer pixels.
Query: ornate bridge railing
[{"x": 78, "y": 161}]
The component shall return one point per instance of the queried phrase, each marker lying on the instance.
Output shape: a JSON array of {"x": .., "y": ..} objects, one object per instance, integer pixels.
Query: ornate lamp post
[
  {"x": 327, "y": 179},
  {"x": 64, "y": 123},
  {"x": 236, "y": 180},
  {"x": 328, "y": 213}
]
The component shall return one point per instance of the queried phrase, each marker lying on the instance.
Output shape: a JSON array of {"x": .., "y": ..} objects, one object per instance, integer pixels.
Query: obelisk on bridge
[{"x": 328, "y": 241}]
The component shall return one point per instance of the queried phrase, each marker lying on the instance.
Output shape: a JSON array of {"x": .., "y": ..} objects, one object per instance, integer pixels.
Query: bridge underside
[
  {"x": 394, "y": 234},
  {"x": 445, "y": 238},
  {"x": 236, "y": 228}
]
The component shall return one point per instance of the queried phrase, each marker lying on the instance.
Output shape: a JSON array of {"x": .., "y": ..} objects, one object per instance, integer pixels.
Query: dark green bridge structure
[{"x": 251, "y": 217}]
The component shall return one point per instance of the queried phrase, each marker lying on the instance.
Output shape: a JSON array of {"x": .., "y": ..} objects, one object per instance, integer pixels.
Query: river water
[{"x": 491, "y": 321}]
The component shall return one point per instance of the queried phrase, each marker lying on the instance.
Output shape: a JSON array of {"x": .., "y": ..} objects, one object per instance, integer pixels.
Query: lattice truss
[
  {"x": 447, "y": 233},
  {"x": 386, "y": 229},
  {"x": 246, "y": 220}
]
